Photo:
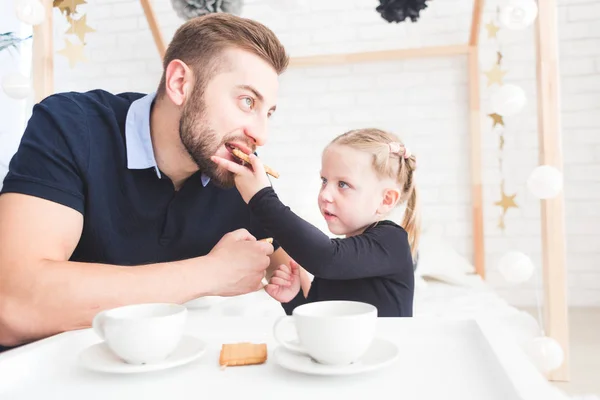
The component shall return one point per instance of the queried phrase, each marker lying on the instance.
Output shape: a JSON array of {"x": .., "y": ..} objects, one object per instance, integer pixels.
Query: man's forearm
[{"x": 61, "y": 295}]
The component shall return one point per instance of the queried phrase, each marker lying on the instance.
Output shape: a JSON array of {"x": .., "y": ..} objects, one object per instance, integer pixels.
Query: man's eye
[{"x": 248, "y": 103}]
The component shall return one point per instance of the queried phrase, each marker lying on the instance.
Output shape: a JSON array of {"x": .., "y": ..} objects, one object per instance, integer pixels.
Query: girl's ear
[{"x": 389, "y": 201}]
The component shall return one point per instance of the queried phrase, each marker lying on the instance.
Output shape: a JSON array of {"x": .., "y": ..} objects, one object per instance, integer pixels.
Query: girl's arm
[{"x": 379, "y": 251}]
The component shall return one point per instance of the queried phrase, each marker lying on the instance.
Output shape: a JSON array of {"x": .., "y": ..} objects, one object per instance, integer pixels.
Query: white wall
[
  {"x": 425, "y": 101},
  {"x": 12, "y": 112}
]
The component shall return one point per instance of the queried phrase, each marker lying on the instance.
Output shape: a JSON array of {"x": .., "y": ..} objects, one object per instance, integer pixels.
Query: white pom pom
[
  {"x": 508, "y": 100},
  {"x": 545, "y": 182},
  {"x": 516, "y": 267},
  {"x": 545, "y": 353},
  {"x": 16, "y": 86},
  {"x": 518, "y": 14},
  {"x": 31, "y": 12}
]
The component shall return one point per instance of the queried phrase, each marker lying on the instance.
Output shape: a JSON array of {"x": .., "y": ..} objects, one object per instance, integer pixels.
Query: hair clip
[{"x": 395, "y": 148}]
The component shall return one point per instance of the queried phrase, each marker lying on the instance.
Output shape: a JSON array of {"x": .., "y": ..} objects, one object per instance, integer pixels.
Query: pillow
[{"x": 438, "y": 260}]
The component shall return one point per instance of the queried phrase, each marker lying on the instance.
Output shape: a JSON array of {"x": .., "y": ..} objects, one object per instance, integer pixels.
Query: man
[{"x": 113, "y": 200}]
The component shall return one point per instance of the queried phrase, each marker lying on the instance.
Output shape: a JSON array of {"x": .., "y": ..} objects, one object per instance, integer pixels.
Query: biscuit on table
[{"x": 237, "y": 354}]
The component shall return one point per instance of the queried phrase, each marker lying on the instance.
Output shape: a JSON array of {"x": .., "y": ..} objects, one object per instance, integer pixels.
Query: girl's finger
[
  {"x": 284, "y": 268},
  {"x": 230, "y": 165},
  {"x": 279, "y": 281},
  {"x": 257, "y": 165},
  {"x": 271, "y": 289},
  {"x": 282, "y": 275},
  {"x": 295, "y": 267}
]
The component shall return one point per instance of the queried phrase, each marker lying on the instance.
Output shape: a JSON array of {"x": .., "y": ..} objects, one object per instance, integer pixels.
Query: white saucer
[
  {"x": 381, "y": 353},
  {"x": 98, "y": 357}
]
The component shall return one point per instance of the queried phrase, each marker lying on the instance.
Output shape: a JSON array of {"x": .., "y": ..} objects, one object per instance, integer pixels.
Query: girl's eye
[
  {"x": 343, "y": 185},
  {"x": 248, "y": 103}
]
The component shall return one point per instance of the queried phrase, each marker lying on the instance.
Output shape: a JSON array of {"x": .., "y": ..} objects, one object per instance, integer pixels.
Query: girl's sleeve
[{"x": 378, "y": 252}]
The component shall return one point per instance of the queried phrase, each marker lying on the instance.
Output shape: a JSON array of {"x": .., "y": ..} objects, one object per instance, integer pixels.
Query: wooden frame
[{"x": 552, "y": 224}]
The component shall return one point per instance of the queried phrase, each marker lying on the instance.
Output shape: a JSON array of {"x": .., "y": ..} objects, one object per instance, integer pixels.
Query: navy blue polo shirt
[{"x": 93, "y": 152}]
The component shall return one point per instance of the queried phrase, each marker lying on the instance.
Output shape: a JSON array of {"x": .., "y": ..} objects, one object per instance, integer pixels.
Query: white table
[{"x": 439, "y": 360}]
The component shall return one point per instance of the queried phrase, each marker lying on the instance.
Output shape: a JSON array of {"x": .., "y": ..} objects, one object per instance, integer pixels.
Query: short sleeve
[{"x": 52, "y": 158}]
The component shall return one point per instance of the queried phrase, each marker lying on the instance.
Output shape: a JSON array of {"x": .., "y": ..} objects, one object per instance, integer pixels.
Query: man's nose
[{"x": 257, "y": 132}]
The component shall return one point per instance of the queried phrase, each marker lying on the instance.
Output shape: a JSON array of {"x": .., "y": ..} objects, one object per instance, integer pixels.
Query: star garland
[
  {"x": 495, "y": 76},
  {"x": 74, "y": 51}
]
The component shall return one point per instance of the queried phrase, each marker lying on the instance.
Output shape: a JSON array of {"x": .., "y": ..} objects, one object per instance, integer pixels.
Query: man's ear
[
  {"x": 391, "y": 196},
  {"x": 178, "y": 82}
]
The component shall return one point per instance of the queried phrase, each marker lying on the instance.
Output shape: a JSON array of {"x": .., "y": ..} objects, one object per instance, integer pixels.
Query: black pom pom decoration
[
  {"x": 399, "y": 10},
  {"x": 188, "y": 9}
]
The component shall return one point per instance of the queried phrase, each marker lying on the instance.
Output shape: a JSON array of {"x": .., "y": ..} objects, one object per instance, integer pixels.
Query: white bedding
[{"x": 475, "y": 300}]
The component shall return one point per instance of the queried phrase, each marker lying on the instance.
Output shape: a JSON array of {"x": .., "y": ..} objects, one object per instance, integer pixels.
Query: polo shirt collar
[{"x": 140, "y": 153}]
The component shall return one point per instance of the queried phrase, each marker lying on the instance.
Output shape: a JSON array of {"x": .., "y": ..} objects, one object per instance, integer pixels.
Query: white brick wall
[{"x": 425, "y": 101}]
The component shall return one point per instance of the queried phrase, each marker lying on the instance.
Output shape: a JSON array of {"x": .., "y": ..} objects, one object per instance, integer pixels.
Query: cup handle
[
  {"x": 98, "y": 325},
  {"x": 277, "y": 328}
]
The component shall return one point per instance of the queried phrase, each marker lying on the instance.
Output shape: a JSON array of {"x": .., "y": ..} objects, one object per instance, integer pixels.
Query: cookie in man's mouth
[{"x": 243, "y": 159}]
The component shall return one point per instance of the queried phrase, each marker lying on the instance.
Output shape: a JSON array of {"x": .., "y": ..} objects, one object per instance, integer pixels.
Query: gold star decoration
[
  {"x": 79, "y": 27},
  {"x": 495, "y": 75},
  {"x": 492, "y": 29},
  {"x": 505, "y": 202},
  {"x": 501, "y": 142},
  {"x": 68, "y": 7},
  {"x": 498, "y": 119},
  {"x": 74, "y": 52},
  {"x": 499, "y": 57}
]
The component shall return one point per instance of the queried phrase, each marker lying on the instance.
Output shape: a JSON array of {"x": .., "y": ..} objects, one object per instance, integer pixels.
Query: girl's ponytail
[{"x": 412, "y": 221}]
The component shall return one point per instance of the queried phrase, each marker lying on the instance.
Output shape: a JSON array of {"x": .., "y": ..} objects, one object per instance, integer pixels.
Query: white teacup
[
  {"x": 142, "y": 333},
  {"x": 331, "y": 332}
]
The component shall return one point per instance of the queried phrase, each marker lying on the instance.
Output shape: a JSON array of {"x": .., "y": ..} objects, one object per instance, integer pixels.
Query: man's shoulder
[{"x": 94, "y": 100}]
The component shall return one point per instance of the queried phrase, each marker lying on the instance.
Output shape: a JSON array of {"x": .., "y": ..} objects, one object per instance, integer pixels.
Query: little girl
[{"x": 365, "y": 174}]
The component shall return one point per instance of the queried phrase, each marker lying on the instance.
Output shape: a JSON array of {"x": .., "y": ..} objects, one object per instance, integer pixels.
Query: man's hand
[{"x": 238, "y": 263}]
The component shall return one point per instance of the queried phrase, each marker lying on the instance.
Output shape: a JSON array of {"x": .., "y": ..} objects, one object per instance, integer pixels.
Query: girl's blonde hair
[{"x": 391, "y": 159}]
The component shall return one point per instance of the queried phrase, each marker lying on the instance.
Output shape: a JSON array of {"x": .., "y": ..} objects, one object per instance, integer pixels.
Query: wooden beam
[
  {"x": 154, "y": 28},
  {"x": 475, "y": 157},
  {"x": 43, "y": 56},
  {"x": 382, "y": 55},
  {"x": 552, "y": 210},
  {"x": 478, "y": 6}
]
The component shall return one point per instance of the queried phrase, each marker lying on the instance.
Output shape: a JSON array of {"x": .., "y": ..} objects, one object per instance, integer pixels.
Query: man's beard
[{"x": 201, "y": 142}]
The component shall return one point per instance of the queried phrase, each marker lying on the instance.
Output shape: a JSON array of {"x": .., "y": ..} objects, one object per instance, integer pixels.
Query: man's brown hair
[{"x": 200, "y": 41}]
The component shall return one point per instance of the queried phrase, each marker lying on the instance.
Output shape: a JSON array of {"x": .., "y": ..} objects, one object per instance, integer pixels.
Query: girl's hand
[
  {"x": 285, "y": 283},
  {"x": 248, "y": 181}
]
